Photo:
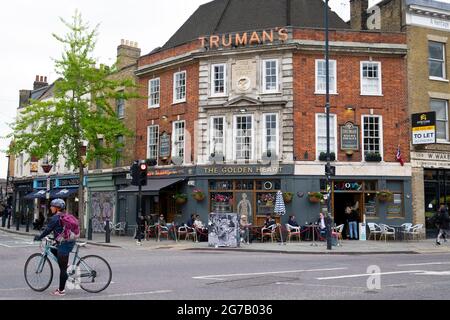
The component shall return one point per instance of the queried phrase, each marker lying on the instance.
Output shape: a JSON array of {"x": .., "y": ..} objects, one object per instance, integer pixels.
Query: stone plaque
[
  {"x": 349, "y": 137},
  {"x": 243, "y": 76},
  {"x": 164, "y": 145}
]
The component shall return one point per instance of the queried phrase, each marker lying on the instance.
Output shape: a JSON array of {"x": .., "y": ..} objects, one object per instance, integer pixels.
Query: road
[{"x": 173, "y": 274}]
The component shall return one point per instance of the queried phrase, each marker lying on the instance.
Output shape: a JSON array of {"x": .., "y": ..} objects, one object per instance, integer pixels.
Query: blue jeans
[{"x": 353, "y": 229}]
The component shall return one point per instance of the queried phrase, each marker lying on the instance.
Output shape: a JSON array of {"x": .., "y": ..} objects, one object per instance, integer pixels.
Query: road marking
[
  {"x": 422, "y": 264},
  {"x": 218, "y": 276},
  {"x": 434, "y": 273},
  {"x": 130, "y": 294},
  {"x": 369, "y": 274},
  {"x": 14, "y": 289},
  {"x": 317, "y": 285}
]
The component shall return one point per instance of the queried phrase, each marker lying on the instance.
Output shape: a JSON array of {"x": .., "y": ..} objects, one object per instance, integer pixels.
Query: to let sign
[
  {"x": 164, "y": 146},
  {"x": 424, "y": 128},
  {"x": 349, "y": 137}
]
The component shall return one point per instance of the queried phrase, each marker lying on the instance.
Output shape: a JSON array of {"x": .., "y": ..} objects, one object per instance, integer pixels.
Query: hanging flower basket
[
  {"x": 180, "y": 198},
  {"x": 384, "y": 196},
  {"x": 198, "y": 195},
  {"x": 287, "y": 197},
  {"x": 315, "y": 197}
]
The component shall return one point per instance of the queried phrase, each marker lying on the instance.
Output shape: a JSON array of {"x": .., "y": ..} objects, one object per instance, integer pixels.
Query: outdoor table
[
  {"x": 314, "y": 228},
  {"x": 399, "y": 235}
]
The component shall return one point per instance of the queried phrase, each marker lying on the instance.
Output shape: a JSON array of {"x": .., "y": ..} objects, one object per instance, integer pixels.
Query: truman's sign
[{"x": 249, "y": 38}]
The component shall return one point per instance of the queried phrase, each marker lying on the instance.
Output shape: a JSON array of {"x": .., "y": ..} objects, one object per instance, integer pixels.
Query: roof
[{"x": 226, "y": 16}]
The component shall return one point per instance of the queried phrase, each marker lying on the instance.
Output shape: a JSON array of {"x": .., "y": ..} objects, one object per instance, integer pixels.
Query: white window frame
[
  {"x": 213, "y": 80},
  {"x": 333, "y": 117},
  {"x": 380, "y": 81},
  {"x": 235, "y": 137},
  {"x": 447, "y": 122},
  {"x": 363, "y": 137},
  {"x": 148, "y": 142},
  {"x": 264, "y": 74},
  {"x": 444, "y": 71},
  {"x": 151, "y": 105},
  {"x": 277, "y": 134},
  {"x": 212, "y": 134},
  {"x": 174, "y": 148},
  {"x": 332, "y": 74},
  {"x": 175, "y": 100}
]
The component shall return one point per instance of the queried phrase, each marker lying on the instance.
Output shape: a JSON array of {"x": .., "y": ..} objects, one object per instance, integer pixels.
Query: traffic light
[
  {"x": 143, "y": 169},
  {"x": 330, "y": 171},
  {"x": 134, "y": 169}
]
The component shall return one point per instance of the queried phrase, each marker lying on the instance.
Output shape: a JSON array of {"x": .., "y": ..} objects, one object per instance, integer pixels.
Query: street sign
[
  {"x": 424, "y": 128},
  {"x": 350, "y": 137},
  {"x": 164, "y": 145}
]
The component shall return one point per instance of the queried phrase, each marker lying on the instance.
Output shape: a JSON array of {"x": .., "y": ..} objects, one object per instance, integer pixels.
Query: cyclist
[{"x": 63, "y": 249}]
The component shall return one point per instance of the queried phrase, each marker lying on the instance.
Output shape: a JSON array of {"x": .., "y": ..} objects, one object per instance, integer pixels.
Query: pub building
[{"x": 239, "y": 115}]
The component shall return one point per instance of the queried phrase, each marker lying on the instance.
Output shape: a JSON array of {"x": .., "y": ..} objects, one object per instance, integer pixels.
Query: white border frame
[
  {"x": 210, "y": 135},
  {"x": 264, "y": 134},
  {"x": 380, "y": 89},
  {"x": 184, "y": 139},
  {"x": 447, "y": 126},
  {"x": 235, "y": 136},
  {"x": 148, "y": 141},
  {"x": 381, "y": 136},
  {"x": 175, "y": 101},
  {"x": 335, "y": 77},
  {"x": 335, "y": 134},
  {"x": 155, "y": 106},
  {"x": 225, "y": 79},
  {"x": 277, "y": 90},
  {"x": 444, "y": 67}
]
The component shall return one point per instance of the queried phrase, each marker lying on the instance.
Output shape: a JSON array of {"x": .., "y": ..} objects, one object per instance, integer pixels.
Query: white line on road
[
  {"x": 422, "y": 264},
  {"x": 369, "y": 274},
  {"x": 218, "y": 276},
  {"x": 434, "y": 273},
  {"x": 130, "y": 294},
  {"x": 15, "y": 289},
  {"x": 316, "y": 285}
]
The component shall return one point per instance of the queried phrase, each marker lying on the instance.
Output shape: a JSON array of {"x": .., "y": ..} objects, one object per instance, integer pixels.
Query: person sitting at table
[
  {"x": 190, "y": 222},
  {"x": 269, "y": 221},
  {"x": 322, "y": 225},
  {"x": 292, "y": 222},
  {"x": 202, "y": 232}
]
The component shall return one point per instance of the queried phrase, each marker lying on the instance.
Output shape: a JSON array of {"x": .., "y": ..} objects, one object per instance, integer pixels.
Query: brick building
[
  {"x": 426, "y": 24},
  {"x": 235, "y": 106}
]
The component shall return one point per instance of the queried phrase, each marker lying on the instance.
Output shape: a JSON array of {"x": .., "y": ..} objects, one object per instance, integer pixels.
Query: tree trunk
[{"x": 81, "y": 210}]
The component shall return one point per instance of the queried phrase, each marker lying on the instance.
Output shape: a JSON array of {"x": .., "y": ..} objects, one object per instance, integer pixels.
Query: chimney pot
[
  {"x": 41, "y": 79},
  {"x": 122, "y": 41},
  {"x": 37, "y": 78},
  {"x": 45, "y": 79}
]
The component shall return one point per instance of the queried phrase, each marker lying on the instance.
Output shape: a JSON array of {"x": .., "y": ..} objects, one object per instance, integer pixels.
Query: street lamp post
[
  {"x": 327, "y": 107},
  {"x": 47, "y": 167}
]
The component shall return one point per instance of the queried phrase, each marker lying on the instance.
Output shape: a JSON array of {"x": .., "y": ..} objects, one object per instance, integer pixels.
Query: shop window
[
  {"x": 371, "y": 185},
  {"x": 395, "y": 207},
  {"x": 370, "y": 205},
  {"x": 244, "y": 185},
  {"x": 265, "y": 203},
  {"x": 221, "y": 185},
  {"x": 222, "y": 202}
]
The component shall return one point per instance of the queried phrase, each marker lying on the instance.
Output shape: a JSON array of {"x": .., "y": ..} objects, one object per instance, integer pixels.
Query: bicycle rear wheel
[
  {"x": 38, "y": 272},
  {"x": 94, "y": 273}
]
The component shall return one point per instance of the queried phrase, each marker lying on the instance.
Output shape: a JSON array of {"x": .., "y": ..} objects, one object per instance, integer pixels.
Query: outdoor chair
[
  {"x": 387, "y": 231},
  {"x": 374, "y": 230},
  {"x": 187, "y": 232},
  {"x": 416, "y": 232},
  {"x": 405, "y": 228},
  {"x": 337, "y": 233},
  {"x": 202, "y": 234},
  {"x": 150, "y": 231},
  {"x": 269, "y": 232},
  {"x": 293, "y": 231},
  {"x": 163, "y": 231}
]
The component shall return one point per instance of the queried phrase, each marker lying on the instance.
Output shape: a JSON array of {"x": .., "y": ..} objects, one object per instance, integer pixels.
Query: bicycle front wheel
[
  {"x": 38, "y": 272},
  {"x": 94, "y": 274}
]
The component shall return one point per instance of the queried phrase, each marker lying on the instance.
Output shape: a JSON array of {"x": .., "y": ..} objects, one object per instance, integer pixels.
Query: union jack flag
[{"x": 399, "y": 157}]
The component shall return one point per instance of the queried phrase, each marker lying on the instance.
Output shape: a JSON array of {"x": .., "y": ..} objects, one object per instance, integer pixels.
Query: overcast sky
[{"x": 27, "y": 45}]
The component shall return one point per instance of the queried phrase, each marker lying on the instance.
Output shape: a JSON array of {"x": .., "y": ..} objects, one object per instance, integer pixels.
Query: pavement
[{"x": 305, "y": 247}]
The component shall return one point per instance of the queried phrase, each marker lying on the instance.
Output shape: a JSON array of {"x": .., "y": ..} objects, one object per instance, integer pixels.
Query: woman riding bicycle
[{"x": 63, "y": 248}]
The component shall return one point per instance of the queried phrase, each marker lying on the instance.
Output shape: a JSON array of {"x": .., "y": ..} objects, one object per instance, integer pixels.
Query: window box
[
  {"x": 373, "y": 157},
  {"x": 323, "y": 156}
]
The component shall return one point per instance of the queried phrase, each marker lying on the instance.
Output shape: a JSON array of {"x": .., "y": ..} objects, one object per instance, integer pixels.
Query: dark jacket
[
  {"x": 54, "y": 225},
  {"x": 292, "y": 223},
  {"x": 443, "y": 220},
  {"x": 269, "y": 222},
  {"x": 353, "y": 216}
]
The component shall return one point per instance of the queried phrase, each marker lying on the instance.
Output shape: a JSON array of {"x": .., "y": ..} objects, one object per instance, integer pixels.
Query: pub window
[
  {"x": 219, "y": 76},
  {"x": 217, "y": 141},
  {"x": 270, "y": 76},
  {"x": 153, "y": 142},
  {"x": 395, "y": 206},
  {"x": 153, "y": 93},
  {"x": 244, "y": 137},
  {"x": 441, "y": 109},
  {"x": 321, "y": 134},
  {"x": 370, "y": 78},
  {"x": 244, "y": 185},
  {"x": 372, "y": 135},
  {"x": 436, "y": 59},
  {"x": 120, "y": 108},
  {"x": 179, "y": 87},
  {"x": 178, "y": 139},
  {"x": 370, "y": 204},
  {"x": 321, "y": 82},
  {"x": 221, "y": 185},
  {"x": 271, "y": 133}
]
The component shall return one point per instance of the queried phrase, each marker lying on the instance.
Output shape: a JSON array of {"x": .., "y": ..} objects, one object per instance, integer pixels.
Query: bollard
[
  {"x": 108, "y": 232},
  {"x": 27, "y": 229},
  {"x": 18, "y": 222},
  {"x": 90, "y": 229},
  {"x": 9, "y": 221}
]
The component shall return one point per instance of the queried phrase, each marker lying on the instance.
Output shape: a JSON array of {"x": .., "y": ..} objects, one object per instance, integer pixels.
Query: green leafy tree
[{"x": 81, "y": 112}]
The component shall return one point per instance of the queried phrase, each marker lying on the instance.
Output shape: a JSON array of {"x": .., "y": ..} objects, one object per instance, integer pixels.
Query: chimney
[
  {"x": 40, "y": 82},
  {"x": 128, "y": 53},
  {"x": 24, "y": 98},
  {"x": 358, "y": 14}
]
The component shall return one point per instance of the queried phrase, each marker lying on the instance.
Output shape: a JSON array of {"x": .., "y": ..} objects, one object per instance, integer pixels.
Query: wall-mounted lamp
[
  {"x": 164, "y": 118},
  {"x": 350, "y": 108},
  {"x": 243, "y": 110}
]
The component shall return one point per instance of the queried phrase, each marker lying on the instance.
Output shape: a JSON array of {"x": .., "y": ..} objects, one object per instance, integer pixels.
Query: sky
[{"x": 28, "y": 48}]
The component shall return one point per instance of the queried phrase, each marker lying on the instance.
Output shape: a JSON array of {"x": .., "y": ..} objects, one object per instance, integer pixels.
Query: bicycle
[{"x": 89, "y": 271}]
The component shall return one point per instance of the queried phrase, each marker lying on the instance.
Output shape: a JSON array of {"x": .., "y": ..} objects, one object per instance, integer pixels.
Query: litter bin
[{"x": 223, "y": 230}]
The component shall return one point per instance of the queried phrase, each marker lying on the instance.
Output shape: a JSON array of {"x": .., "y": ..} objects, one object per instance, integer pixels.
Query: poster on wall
[
  {"x": 103, "y": 208},
  {"x": 223, "y": 230}
]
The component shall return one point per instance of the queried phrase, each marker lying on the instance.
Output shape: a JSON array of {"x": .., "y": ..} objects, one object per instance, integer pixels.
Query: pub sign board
[
  {"x": 350, "y": 137},
  {"x": 424, "y": 128},
  {"x": 164, "y": 146}
]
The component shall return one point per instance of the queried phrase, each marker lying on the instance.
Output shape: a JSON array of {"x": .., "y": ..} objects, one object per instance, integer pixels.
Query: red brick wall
[
  {"x": 392, "y": 105},
  {"x": 169, "y": 53},
  {"x": 353, "y": 36},
  {"x": 187, "y": 111}
]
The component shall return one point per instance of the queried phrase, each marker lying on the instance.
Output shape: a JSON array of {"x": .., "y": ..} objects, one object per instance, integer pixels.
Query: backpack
[{"x": 71, "y": 228}]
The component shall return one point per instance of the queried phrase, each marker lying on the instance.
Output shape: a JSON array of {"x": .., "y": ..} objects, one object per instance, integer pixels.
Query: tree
[{"x": 81, "y": 113}]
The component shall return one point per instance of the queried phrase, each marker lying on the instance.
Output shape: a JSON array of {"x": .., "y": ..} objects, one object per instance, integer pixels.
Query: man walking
[{"x": 443, "y": 222}]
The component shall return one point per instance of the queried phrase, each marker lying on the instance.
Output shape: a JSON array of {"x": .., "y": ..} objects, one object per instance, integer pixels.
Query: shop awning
[
  {"x": 153, "y": 186},
  {"x": 37, "y": 194},
  {"x": 62, "y": 193}
]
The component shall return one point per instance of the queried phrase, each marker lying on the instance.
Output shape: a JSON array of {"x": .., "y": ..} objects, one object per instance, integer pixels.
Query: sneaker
[
  {"x": 58, "y": 293},
  {"x": 438, "y": 243}
]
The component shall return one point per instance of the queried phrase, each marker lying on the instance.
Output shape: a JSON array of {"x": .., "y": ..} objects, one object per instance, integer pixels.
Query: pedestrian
[
  {"x": 63, "y": 246},
  {"x": 442, "y": 220},
  {"x": 245, "y": 229},
  {"x": 140, "y": 230},
  {"x": 352, "y": 221},
  {"x": 322, "y": 225},
  {"x": 3, "y": 214}
]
